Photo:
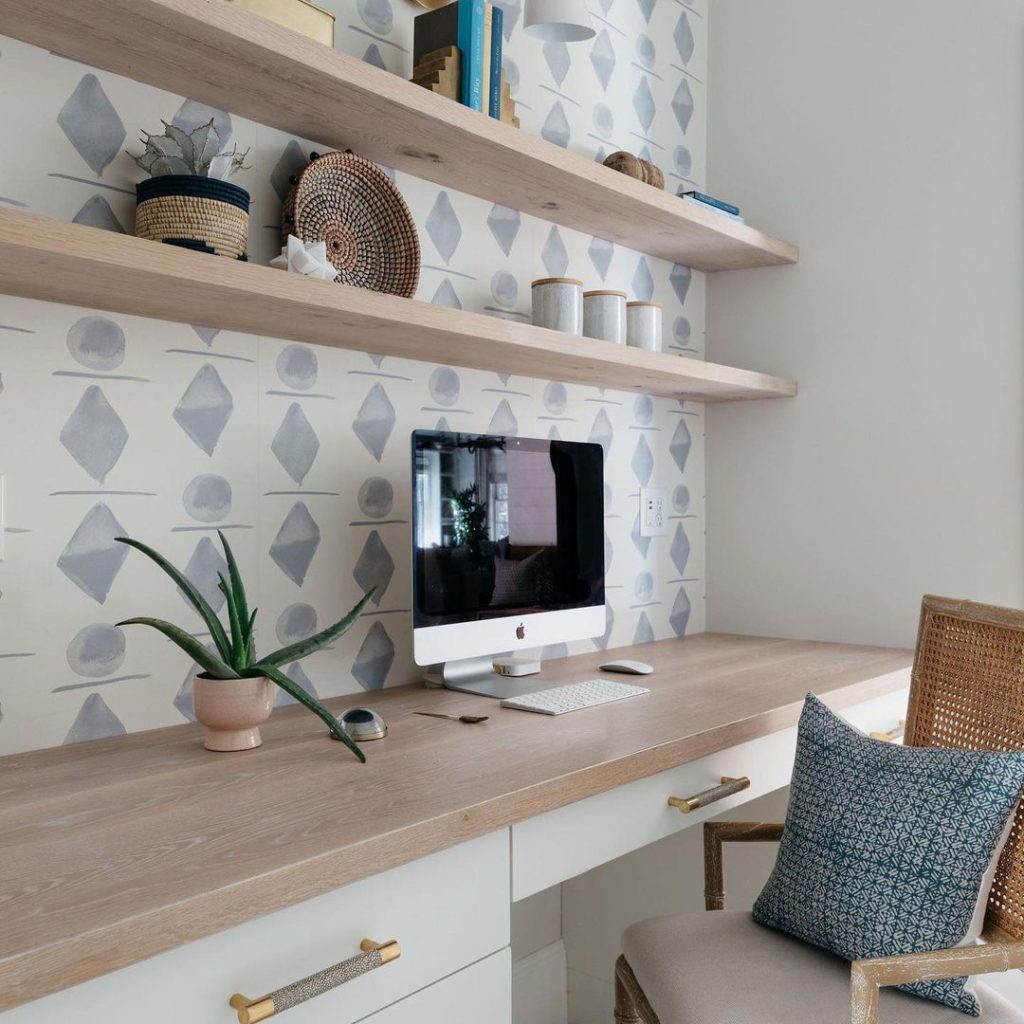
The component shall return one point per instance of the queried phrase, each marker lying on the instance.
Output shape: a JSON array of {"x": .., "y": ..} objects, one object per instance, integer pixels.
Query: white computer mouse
[{"x": 630, "y": 668}]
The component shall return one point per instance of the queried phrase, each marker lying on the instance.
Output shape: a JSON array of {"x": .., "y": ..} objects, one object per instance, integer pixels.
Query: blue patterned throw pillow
[{"x": 887, "y": 848}]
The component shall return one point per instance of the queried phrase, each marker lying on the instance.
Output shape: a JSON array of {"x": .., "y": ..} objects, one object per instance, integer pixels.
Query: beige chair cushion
[{"x": 722, "y": 968}]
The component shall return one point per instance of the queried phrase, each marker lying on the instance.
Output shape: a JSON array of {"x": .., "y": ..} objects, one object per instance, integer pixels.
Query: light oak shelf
[
  {"x": 214, "y": 52},
  {"x": 46, "y": 259}
]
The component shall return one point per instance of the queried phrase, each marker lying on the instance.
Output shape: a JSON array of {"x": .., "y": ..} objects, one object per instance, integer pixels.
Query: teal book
[
  {"x": 471, "y": 47},
  {"x": 494, "y": 100}
]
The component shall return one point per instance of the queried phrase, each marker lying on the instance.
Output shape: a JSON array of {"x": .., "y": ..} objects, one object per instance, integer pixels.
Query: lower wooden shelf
[{"x": 41, "y": 258}]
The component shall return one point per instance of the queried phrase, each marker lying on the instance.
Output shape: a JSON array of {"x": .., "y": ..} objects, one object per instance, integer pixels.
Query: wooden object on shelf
[
  {"x": 46, "y": 259},
  {"x": 439, "y": 72},
  {"x": 297, "y": 15},
  {"x": 159, "y": 843},
  {"x": 233, "y": 60},
  {"x": 508, "y": 105},
  {"x": 635, "y": 167}
]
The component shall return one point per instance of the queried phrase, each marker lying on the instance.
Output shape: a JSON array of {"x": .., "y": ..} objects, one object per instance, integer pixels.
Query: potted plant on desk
[{"x": 234, "y": 694}]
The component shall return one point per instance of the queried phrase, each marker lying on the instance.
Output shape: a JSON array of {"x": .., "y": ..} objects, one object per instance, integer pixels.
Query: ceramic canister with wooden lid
[
  {"x": 604, "y": 316},
  {"x": 643, "y": 325},
  {"x": 558, "y": 304}
]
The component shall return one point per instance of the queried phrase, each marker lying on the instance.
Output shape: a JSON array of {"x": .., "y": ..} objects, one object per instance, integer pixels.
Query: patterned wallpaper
[{"x": 113, "y": 424}]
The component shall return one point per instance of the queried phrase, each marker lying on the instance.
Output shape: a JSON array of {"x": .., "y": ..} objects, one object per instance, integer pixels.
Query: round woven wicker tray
[{"x": 348, "y": 202}]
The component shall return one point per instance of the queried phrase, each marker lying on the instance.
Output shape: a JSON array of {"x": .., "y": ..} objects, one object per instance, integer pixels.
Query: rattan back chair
[{"x": 967, "y": 692}]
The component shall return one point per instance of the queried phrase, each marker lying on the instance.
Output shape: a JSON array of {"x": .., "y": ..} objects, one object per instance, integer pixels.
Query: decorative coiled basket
[
  {"x": 195, "y": 212},
  {"x": 349, "y": 203}
]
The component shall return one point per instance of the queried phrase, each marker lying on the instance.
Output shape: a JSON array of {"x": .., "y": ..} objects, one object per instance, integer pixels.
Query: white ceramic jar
[
  {"x": 643, "y": 325},
  {"x": 558, "y": 304},
  {"x": 604, "y": 316}
]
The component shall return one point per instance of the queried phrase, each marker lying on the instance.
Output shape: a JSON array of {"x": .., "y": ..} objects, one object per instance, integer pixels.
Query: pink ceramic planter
[{"x": 232, "y": 710}]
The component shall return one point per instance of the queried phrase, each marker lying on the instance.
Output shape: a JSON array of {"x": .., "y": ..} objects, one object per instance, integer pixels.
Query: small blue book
[
  {"x": 718, "y": 204},
  {"x": 471, "y": 45},
  {"x": 494, "y": 100}
]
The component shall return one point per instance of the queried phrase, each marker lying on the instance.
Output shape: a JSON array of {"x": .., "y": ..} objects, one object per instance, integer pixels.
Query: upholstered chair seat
[{"x": 723, "y": 968}]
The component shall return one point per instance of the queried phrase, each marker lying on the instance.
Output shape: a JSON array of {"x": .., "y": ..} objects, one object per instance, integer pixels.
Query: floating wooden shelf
[
  {"x": 215, "y": 52},
  {"x": 46, "y": 259}
]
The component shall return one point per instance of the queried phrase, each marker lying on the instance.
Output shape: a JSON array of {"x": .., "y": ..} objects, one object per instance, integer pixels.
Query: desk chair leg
[{"x": 631, "y": 1006}]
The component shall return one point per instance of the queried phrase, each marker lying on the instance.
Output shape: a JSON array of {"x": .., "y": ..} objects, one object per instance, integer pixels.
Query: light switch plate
[{"x": 653, "y": 509}]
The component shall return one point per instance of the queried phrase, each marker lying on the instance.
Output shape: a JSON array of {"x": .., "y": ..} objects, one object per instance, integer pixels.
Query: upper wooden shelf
[
  {"x": 46, "y": 259},
  {"x": 214, "y": 52}
]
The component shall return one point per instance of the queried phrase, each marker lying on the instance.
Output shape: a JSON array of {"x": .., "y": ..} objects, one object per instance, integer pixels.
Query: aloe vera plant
[
  {"x": 234, "y": 656},
  {"x": 197, "y": 153}
]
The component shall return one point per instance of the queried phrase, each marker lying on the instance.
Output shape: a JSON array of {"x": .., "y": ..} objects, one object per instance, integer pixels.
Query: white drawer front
[
  {"x": 446, "y": 910},
  {"x": 481, "y": 994},
  {"x": 564, "y": 843}
]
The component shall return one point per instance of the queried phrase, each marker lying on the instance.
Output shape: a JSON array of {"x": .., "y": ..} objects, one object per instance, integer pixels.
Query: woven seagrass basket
[
  {"x": 199, "y": 213},
  {"x": 348, "y": 202}
]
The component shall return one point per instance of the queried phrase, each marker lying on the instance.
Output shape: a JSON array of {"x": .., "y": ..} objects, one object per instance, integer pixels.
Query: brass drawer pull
[
  {"x": 892, "y": 735},
  {"x": 729, "y": 786},
  {"x": 373, "y": 955}
]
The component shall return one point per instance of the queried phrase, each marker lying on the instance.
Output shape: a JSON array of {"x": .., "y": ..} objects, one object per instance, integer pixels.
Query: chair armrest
[
  {"x": 868, "y": 976},
  {"x": 718, "y": 832}
]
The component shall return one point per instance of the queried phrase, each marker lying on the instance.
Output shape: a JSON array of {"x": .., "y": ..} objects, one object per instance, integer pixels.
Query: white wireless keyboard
[{"x": 573, "y": 697}]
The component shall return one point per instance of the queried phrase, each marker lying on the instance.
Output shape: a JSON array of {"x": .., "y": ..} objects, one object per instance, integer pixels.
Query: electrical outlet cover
[{"x": 653, "y": 511}]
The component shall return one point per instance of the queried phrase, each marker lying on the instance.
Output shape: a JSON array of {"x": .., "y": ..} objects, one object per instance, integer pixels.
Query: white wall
[{"x": 888, "y": 141}]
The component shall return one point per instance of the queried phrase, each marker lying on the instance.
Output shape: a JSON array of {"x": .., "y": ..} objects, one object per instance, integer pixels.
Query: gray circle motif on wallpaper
[
  {"x": 444, "y": 386},
  {"x": 555, "y": 397},
  {"x": 295, "y": 623},
  {"x": 681, "y": 498},
  {"x": 297, "y": 367},
  {"x": 376, "y": 496},
  {"x": 96, "y": 342},
  {"x": 96, "y": 651},
  {"x": 207, "y": 497}
]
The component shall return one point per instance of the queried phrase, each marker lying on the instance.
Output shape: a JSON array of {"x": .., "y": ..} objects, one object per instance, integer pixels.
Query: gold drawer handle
[
  {"x": 729, "y": 786},
  {"x": 373, "y": 955},
  {"x": 892, "y": 735}
]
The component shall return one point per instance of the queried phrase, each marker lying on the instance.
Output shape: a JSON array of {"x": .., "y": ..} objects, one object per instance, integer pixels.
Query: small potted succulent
[
  {"x": 188, "y": 201},
  {"x": 235, "y": 693}
]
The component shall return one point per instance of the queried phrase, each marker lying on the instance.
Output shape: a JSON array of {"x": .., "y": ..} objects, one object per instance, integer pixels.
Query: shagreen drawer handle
[
  {"x": 892, "y": 735},
  {"x": 728, "y": 787},
  {"x": 373, "y": 955}
]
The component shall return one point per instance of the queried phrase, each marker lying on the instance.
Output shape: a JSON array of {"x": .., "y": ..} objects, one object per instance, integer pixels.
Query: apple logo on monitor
[{"x": 520, "y": 632}]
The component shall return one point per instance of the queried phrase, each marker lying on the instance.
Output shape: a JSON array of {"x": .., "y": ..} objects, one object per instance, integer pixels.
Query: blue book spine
[
  {"x": 719, "y": 204},
  {"x": 471, "y": 44},
  {"x": 494, "y": 104}
]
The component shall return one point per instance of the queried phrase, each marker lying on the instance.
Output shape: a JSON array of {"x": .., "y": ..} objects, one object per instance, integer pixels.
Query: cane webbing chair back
[{"x": 967, "y": 692}]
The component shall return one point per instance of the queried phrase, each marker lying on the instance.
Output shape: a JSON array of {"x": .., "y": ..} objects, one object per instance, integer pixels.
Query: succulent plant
[
  {"x": 233, "y": 655},
  {"x": 197, "y": 152}
]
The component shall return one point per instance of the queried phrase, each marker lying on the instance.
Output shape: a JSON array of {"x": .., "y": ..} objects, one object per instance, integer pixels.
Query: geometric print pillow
[{"x": 887, "y": 848}]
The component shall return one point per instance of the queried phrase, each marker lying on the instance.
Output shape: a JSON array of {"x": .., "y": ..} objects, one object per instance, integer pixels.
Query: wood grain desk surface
[{"x": 115, "y": 850}]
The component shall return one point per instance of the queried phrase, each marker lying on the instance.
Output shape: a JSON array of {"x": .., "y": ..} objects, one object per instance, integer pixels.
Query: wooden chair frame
[{"x": 938, "y": 668}]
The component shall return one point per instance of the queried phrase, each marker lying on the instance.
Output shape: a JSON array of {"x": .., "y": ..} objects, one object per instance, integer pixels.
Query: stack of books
[
  {"x": 457, "y": 52},
  {"x": 706, "y": 201}
]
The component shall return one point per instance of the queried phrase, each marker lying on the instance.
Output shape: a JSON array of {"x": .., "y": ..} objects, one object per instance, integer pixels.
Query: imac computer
[{"x": 508, "y": 552}]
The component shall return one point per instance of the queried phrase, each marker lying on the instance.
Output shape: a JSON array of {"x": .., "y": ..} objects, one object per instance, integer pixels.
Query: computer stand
[{"x": 477, "y": 675}]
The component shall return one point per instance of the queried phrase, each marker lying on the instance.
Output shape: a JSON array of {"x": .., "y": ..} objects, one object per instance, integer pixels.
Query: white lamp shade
[{"x": 558, "y": 21}]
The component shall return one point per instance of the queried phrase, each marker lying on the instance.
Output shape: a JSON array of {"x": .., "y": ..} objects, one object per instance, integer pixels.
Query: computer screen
[{"x": 507, "y": 528}]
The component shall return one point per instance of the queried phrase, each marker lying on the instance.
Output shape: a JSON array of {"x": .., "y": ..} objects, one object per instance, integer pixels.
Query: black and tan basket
[
  {"x": 205, "y": 214},
  {"x": 348, "y": 202}
]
